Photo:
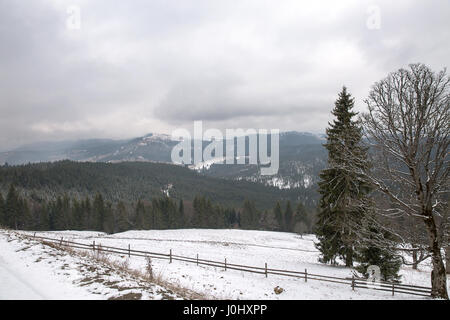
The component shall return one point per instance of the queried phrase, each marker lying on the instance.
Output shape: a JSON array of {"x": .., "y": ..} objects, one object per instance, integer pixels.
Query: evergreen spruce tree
[
  {"x": 88, "y": 216},
  {"x": 77, "y": 215},
  {"x": 139, "y": 218},
  {"x": 181, "y": 221},
  {"x": 302, "y": 223},
  {"x": 44, "y": 219},
  {"x": 26, "y": 219},
  {"x": 122, "y": 222},
  {"x": 155, "y": 215},
  {"x": 231, "y": 216},
  {"x": 264, "y": 221},
  {"x": 222, "y": 217},
  {"x": 58, "y": 220},
  {"x": 199, "y": 205},
  {"x": 288, "y": 215},
  {"x": 172, "y": 210},
  {"x": 2, "y": 210},
  {"x": 160, "y": 214},
  {"x": 368, "y": 253},
  {"x": 217, "y": 218},
  {"x": 340, "y": 187},
  {"x": 195, "y": 218},
  {"x": 163, "y": 205},
  {"x": 99, "y": 212},
  {"x": 12, "y": 211},
  {"x": 279, "y": 216},
  {"x": 64, "y": 214},
  {"x": 235, "y": 220},
  {"x": 108, "y": 222},
  {"x": 209, "y": 215},
  {"x": 249, "y": 216}
]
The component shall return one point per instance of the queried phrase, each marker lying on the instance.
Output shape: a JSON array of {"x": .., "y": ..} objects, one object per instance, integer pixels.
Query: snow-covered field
[
  {"x": 30, "y": 270},
  {"x": 279, "y": 250}
]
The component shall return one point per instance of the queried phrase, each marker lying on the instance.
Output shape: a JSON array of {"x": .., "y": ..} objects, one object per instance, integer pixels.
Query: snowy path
[
  {"x": 23, "y": 276},
  {"x": 13, "y": 285}
]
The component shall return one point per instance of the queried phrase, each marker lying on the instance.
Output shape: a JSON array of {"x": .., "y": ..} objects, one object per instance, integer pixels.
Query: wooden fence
[{"x": 353, "y": 282}]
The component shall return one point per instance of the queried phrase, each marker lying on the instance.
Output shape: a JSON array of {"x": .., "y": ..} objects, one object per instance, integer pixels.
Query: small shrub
[{"x": 149, "y": 268}]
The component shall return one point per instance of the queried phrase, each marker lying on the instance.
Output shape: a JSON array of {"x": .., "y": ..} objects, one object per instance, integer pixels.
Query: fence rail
[{"x": 353, "y": 282}]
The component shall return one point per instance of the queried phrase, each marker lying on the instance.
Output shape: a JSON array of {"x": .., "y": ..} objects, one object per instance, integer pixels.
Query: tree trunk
[
  {"x": 414, "y": 256},
  {"x": 447, "y": 258},
  {"x": 349, "y": 257},
  {"x": 438, "y": 276}
]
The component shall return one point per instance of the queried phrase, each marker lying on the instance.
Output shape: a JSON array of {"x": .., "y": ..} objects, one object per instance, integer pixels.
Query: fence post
[
  {"x": 129, "y": 250},
  {"x": 34, "y": 235},
  {"x": 353, "y": 282},
  {"x": 197, "y": 259},
  {"x": 93, "y": 245},
  {"x": 60, "y": 242},
  {"x": 266, "y": 270},
  {"x": 170, "y": 256},
  {"x": 393, "y": 286},
  {"x": 306, "y": 275}
]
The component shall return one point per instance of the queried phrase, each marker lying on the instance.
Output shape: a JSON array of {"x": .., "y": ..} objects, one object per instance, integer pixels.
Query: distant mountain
[
  {"x": 148, "y": 148},
  {"x": 302, "y": 157}
]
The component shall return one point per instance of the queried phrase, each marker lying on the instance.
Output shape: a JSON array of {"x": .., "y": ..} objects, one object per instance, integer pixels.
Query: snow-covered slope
[{"x": 279, "y": 250}]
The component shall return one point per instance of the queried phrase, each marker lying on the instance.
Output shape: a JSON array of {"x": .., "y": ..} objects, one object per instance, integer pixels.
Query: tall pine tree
[
  {"x": 12, "y": 212},
  {"x": 99, "y": 212},
  {"x": 341, "y": 189},
  {"x": 140, "y": 216},
  {"x": 2, "y": 210},
  {"x": 288, "y": 214},
  {"x": 301, "y": 222},
  {"x": 279, "y": 216},
  {"x": 249, "y": 216},
  {"x": 122, "y": 220}
]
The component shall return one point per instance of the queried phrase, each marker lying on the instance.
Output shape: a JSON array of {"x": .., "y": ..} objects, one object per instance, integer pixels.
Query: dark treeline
[{"x": 97, "y": 214}]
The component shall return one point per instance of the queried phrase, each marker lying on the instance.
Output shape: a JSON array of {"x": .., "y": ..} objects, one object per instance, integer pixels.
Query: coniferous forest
[
  {"x": 96, "y": 213},
  {"x": 132, "y": 195}
]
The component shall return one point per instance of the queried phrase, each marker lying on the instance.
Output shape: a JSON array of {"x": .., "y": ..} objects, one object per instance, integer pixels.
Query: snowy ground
[
  {"x": 30, "y": 270},
  {"x": 280, "y": 250}
]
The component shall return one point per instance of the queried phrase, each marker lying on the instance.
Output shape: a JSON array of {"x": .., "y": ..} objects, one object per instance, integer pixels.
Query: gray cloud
[{"x": 150, "y": 66}]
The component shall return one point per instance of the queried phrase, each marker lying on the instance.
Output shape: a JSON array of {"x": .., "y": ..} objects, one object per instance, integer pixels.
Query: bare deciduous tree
[
  {"x": 447, "y": 258},
  {"x": 408, "y": 126}
]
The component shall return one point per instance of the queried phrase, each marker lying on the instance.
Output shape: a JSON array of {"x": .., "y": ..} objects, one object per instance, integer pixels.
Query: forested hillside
[{"x": 133, "y": 181}]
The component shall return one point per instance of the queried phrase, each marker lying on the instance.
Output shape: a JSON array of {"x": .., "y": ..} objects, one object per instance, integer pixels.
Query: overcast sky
[{"x": 135, "y": 67}]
